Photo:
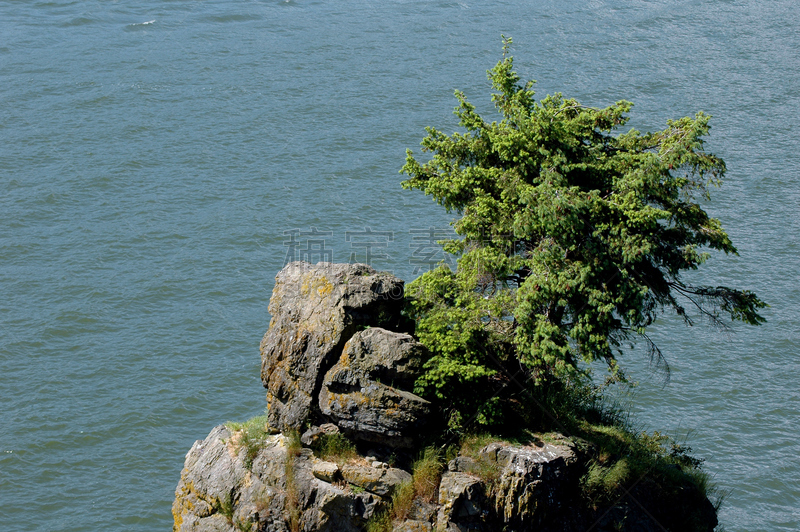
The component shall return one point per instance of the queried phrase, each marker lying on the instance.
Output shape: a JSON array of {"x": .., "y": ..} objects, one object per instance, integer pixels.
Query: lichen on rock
[{"x": 315, "y": 310}]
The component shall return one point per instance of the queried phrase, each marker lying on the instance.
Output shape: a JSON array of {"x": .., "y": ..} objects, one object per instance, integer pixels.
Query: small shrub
[{"x": 380, "y": 522}]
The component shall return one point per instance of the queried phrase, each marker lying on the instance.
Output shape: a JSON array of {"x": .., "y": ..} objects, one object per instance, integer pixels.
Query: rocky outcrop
[
  {"x": 335, "y": 363},
  {"x": 315, "y": 310},
  {"x": 328, "y": 358}
]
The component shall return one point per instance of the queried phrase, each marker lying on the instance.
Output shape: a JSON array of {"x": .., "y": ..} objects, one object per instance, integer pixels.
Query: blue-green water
[{"x": 153, "y": 155}]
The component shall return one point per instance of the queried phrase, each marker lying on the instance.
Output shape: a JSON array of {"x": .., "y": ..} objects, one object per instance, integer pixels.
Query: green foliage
[
  {"x": 251, "y": 436},
  {"x": 380, "y": 522},
  {"x": 472, "y": 444},
  {"x": 335, "y": 447},
  {"x": 486, "y": 470},
  {"x": 651, "y": 466},
  {"x": 573, "y": 238},
  {"x": 244, "y": 526},
  {"x": 625, "y": 458},
  {"x": 225, "y": 506}
]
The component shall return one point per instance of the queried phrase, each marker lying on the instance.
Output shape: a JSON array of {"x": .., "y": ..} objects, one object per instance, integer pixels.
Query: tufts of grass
[
  {"x": 625, "y": 458},
  {"x": 335, "y": 448},
  {"x": 424, "y": 484},
  {"x": 472, "y": 444},
  {"x": 293, "y": 444},
  {"x": 293, "y": 448},
  {"x": 250, "y": 437},
  {"x": 399, "y": 509},
  {"x": 427, "y": 473},
  {"x": 380, "y": 522},
  {"x": 402, "y": 500},
  {"x": 226, "y": 507},
  {"x": 489, "y": 472},
  {"x": 605, "y": 480}
]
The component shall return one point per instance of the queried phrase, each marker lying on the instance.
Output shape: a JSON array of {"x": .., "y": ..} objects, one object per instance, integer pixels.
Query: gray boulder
[
  {"x": 362, "y": 393},
  {"x": 315, "y": 310},
  {"x": 378, "y": 480},
  {"x": 507, "y": 486},
  {"x": 534, "y": 481},
  {"x": 460, "y": 497},
  {"x": 389, "y": 357}
]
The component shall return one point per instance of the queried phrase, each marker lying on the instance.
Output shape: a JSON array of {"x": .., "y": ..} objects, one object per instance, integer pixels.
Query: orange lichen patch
[
  {"x": 319, "y": 286},
  {"x": 185, "y": 500},
  {"x": 181, "y": 506},
  {"x": 325, "y": 288},
  {"x": 177, "y": 517}
]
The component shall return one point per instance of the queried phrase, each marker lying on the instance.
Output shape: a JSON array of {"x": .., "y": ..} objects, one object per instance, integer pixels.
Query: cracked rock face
[
  {"x": 219, "y": 493},
  {"x": 532, "y": 486},
  {"x": 315, "y": 310},
  {"x": 363, "y": 394}
]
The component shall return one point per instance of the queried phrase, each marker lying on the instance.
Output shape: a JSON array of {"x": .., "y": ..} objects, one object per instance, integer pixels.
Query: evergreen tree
[{"x": 574, "y": 237}]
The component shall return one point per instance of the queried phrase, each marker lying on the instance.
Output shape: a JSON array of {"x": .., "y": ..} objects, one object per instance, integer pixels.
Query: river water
[{"x": 159, "y": 161}]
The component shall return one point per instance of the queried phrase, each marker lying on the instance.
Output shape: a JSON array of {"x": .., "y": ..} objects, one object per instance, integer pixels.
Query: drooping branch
[{"x": 741, "y": 305}]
